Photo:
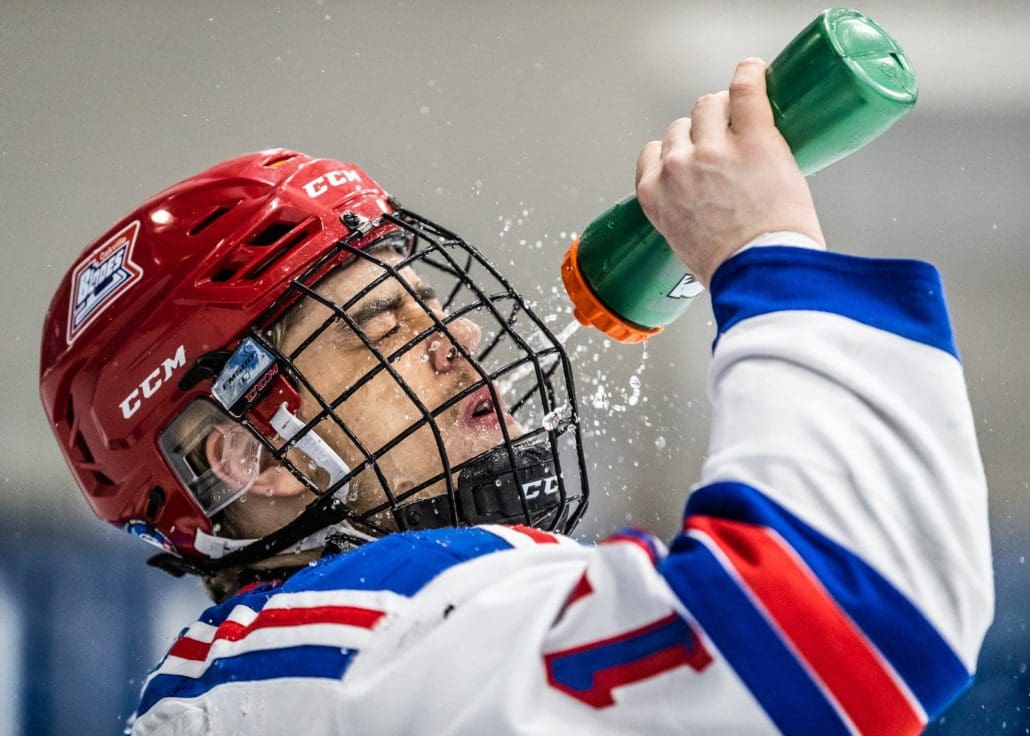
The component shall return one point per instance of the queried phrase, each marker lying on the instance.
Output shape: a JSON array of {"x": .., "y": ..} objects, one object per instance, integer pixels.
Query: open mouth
[
  {"x": 480, "y": 410},
  {"x": 482, "y": 407}
]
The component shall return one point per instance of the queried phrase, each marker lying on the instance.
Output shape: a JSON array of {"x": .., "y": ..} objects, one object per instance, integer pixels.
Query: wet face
[{"x": 380, "y": 409}]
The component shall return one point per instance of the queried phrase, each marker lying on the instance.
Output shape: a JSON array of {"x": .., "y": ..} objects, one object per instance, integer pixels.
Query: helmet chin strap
[
  {"x": 287, "y": 425},
  {"x": 217, "y": 547}
]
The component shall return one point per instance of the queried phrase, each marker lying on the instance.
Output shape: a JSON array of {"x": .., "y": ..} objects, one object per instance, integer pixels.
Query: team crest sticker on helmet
[
  {"x": 150, "y": 534},
  {"x": 107, "y": 273}
]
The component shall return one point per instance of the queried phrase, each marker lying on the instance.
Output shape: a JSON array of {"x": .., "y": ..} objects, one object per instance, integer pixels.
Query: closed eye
[
  {"x": 376, "y": 315},
  {"x": 389, "y": 333}
]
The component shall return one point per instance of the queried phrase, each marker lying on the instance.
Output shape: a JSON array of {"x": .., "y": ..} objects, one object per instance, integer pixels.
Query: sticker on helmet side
[
  {"x": 101, "y": 278},
  {"x": 249, "y": 367},
  {"x": 150, "y": 534}
]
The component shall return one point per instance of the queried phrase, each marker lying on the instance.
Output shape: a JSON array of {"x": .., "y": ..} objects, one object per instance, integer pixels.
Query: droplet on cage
[{"x": 557, "y": 418}]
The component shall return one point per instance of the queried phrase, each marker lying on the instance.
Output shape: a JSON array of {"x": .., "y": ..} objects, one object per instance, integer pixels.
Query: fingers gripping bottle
[{"x": 836, "y": 87}]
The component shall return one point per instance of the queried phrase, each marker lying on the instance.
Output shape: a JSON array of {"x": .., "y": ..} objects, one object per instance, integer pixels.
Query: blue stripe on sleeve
[
  {"x": 743, "y": 636},
  {"x": 904, "y": 297},
  {"x": 578, "y": 670},
  {"x": 303, "y": 661},
  {"x": 932, "y": 671}
]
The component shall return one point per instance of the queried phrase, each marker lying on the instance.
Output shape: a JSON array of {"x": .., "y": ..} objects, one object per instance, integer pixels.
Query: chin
[{"x": 483, "y": 436}]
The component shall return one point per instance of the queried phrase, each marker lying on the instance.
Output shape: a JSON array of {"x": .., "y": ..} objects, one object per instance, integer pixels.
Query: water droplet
[
  {"x": 634, "y": 385},
  {"x": 556, "y": 419}
]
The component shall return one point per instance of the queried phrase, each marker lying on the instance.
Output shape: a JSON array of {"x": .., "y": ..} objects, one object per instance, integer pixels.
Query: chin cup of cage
[{"x": 491, "y": 490}]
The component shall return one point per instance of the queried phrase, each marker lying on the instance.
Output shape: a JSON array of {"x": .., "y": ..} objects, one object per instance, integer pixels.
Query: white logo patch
[
  {"x": 98, "y": 281},
  {"x": 686, "y": 288}
]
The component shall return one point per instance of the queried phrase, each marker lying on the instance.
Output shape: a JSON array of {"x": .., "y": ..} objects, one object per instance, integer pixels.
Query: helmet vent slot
[
  {"x": 79, "y": 443},
  {"x": 278, "y": 253},
  {"x": 276, "y": 161},
  {"x": 223, "y": 274},
  {"x": 83, "y": 457},
  {"x": 210, "y": 219},
  {"x": 70, "y": 414},
  {"x": 102, "y": 479},
  {"x": 271, "y": 234}
]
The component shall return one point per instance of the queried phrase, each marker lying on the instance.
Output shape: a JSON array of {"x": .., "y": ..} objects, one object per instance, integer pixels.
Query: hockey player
[{"x": 311, "y": 397}]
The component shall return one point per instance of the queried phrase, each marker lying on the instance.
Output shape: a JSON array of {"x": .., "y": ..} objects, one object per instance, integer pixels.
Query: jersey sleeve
[
  {"x": 836, "y": 551},
  {"x": 833, "y": 572}
]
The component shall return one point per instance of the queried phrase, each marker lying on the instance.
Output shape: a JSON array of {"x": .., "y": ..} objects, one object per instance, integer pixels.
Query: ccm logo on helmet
[
  {"x": 154, "y": 380},
  {"x": 318, "y": 187}
]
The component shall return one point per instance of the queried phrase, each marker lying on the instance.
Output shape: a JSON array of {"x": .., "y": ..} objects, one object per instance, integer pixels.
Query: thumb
[{"x": 749, "y": 102}]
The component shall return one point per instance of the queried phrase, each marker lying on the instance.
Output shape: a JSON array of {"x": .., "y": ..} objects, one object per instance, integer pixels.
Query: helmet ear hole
[
  {"x": 215, "y": 459},
  {"x": 234, "y": 456}
]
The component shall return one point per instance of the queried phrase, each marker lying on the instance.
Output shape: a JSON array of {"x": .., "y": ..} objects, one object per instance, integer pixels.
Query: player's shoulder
[{"x": 405, "y": 562}]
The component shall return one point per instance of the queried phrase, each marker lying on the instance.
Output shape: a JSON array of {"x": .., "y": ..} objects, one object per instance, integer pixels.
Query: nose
[{"x": 443, "y": 354}]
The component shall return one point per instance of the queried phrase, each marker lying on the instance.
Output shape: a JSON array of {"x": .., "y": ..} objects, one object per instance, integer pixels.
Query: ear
[
  {"x": 276, "y": 480},
  {"x": 234, "y": 456}
]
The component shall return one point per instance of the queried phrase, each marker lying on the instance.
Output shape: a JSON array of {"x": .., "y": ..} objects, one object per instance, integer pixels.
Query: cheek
[
  {"x": 331, "y": 373},
  {"x": 380, "y": 409},
  {"x": 431, "y": 387}
]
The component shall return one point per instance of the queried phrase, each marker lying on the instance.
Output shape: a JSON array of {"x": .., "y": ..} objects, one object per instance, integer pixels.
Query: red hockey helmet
[{"x": 146, "y": 320}]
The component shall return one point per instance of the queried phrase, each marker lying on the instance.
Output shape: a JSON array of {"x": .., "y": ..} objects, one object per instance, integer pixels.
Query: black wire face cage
[{"x": 536, "y": 478}]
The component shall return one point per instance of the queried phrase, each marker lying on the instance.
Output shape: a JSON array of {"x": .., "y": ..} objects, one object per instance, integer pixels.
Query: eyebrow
[{"x": 375, "y": 307}]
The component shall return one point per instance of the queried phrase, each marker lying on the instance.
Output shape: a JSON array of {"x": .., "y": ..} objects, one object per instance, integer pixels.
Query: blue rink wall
[{"x": 82, "y": 619}]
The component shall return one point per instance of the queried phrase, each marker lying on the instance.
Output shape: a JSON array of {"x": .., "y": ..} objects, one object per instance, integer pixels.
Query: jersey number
[{"x": 591, "y": 671}]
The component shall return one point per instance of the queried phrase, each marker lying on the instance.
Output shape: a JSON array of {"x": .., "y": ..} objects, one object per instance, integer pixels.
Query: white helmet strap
[{"x": 287, "y": 425}]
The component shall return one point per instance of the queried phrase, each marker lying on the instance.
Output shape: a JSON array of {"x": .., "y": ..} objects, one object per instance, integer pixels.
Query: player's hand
[{"x": 724, "y": 176}]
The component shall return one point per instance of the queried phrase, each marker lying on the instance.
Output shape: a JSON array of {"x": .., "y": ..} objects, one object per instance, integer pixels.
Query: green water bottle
[{"x": 837, "y": 86}]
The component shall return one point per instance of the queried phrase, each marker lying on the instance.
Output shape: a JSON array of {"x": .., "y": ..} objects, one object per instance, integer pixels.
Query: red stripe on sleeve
[
  {"x": 583, "y": 589},
  {"x": 536, "y": 535},
  {"x": 835, "y": 650},
  {"x": 187, "y": 648}
]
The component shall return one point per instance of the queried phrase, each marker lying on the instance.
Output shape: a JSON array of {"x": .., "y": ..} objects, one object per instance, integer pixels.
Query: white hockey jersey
[{"x": 832, "y": 575}]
